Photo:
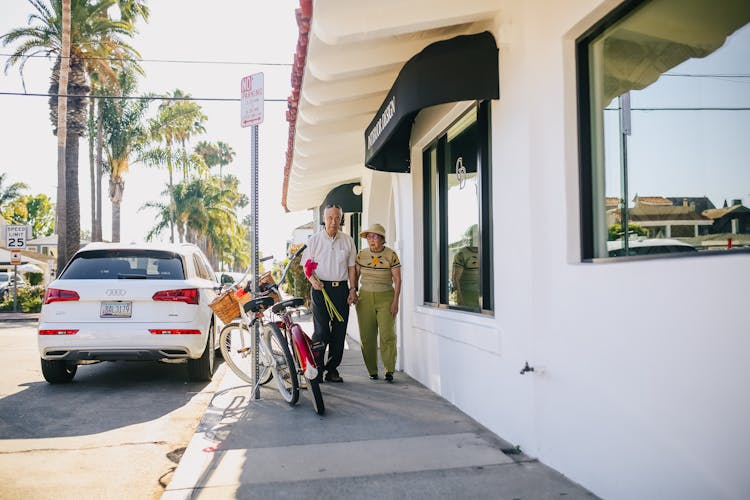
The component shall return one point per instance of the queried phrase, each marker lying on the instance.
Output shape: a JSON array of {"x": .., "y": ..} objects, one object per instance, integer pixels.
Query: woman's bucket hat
[{"x": 374, "y": 228}]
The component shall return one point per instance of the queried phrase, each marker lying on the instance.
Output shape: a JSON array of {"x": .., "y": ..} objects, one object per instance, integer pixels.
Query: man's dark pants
[{"x": 330, "y": 331}]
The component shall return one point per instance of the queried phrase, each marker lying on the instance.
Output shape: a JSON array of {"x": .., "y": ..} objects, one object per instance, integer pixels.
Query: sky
[
  {"x": 696, "y": 153},
  {"x": 237, "y": 31}
]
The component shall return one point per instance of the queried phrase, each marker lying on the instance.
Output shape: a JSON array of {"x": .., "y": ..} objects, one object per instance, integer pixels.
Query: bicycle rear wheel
[
  {"x": 284, "y": 369},
  {"x": 235, "y": 343}
]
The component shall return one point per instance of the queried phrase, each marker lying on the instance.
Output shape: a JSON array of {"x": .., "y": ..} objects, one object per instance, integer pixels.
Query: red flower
[{"x": 310, "y": 267}]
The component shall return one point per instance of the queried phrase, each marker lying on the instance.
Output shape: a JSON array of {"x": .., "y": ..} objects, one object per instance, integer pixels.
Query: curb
[
  {"x": 202, "y": 454},
  {"x": 18, "y": 316}
]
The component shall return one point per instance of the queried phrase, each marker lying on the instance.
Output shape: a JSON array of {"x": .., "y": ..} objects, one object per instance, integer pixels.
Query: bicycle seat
[
  {"x": 258, "y": 304},
  {"x": 295, "y": 302}
]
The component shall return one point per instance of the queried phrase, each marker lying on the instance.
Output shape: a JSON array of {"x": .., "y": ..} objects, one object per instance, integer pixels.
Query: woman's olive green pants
[{"x": 373, "y": 314}]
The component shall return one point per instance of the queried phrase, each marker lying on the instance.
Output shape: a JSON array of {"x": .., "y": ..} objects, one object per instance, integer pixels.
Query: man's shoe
[
  {"x": 389, "y": 377},
  {"x": 374, "y": 377},
  {"x": 333, "y": 377}
]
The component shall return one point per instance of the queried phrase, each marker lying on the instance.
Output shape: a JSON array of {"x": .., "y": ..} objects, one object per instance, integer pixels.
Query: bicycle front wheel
[
  {"x": 235, "y": 343},
  {"x": 285, "y": 371}
]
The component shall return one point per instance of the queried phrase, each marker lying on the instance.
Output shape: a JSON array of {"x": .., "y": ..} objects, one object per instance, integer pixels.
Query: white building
[{"x": 520, "y": 118}]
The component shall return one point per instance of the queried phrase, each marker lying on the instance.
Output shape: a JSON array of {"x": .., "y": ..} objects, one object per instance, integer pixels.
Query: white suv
[{"x": 118, "y": 301}]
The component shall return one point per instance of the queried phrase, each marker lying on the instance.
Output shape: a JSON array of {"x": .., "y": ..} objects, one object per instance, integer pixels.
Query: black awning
[
  {"x": 459, "y": 69},
  {"x": 344, "y": 196}
]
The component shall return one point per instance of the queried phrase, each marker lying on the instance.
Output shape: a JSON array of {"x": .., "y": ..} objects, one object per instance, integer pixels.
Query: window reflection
[
  {"x": 457, "y": 267},
  {"x": 669, "y": 115}
]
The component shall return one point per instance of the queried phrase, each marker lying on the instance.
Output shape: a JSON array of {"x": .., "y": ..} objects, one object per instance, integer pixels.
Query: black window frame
[
  {"x": 585, "y": 158},
  {"x": 436, "y": 181}
]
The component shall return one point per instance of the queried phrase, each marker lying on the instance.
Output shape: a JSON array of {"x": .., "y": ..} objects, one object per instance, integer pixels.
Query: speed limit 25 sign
[{"x": 15, "y": 237}]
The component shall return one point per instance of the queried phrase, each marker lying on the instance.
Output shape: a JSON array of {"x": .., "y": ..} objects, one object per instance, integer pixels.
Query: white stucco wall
[{"x": 642, "y": 367}]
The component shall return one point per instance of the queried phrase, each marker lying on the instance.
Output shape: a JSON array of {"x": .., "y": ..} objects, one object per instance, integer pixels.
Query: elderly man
[{"x": 334, "y": 253}]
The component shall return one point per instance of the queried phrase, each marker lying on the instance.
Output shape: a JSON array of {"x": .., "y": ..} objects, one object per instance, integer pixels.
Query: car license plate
[{"x": 116, "y": 309}]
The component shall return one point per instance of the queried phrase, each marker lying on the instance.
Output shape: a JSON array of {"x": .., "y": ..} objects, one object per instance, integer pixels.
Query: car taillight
[
  {"x": 186, "y": 295},
  {"x": 173, "y": 331},
  {"x": 58, "y": 332},
  {"x": 55, "y": 295}
]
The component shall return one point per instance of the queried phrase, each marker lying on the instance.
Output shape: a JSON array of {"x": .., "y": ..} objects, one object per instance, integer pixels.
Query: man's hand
[{"x": 316, "y": 283}]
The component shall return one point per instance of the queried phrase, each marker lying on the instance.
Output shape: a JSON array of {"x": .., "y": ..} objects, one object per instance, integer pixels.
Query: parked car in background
[
  {"x": 228, "y": 277},
  {"x": 116, "y": 301},
  {"x": 649, "y": 247},
  {"x": 7, "y": 282}
]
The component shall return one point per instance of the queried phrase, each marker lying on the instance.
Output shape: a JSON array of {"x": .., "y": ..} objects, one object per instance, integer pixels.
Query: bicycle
[{"x": 285, "y": 351}]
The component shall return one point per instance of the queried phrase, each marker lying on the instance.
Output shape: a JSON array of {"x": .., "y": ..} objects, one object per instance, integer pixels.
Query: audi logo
[{"x": 115, "y": 292}]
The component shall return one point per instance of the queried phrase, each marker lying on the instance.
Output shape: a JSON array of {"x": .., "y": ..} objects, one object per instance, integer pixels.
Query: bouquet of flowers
[{"x": 310, "y": 267}]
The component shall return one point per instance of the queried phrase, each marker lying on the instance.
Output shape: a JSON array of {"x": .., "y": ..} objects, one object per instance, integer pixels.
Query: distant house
[
  {"x": 701, "y": 204},
  {"x": 300, "y": 234},
  {"x": 667, "y": 217},
  {"x": 46, "y": 245},
  {"x": 734, "y": 219}
]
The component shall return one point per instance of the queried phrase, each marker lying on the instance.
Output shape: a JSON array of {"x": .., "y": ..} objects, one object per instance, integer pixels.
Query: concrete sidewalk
[{"x": 376, "y": 440}]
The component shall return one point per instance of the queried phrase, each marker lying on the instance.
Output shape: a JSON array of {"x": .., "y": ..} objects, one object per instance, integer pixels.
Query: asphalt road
[{"x": 117, "y": 431}]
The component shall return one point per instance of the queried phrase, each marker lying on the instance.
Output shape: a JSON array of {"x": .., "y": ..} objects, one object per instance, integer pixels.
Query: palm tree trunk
[
  {"x": 99, "y": 170},
  {"x": 115, "y": 222},
  {"x": 72, "y": 199},
  {"x": 62, "y": 115},
  {"x": 172, "y": 208},
  {"x": 92, "y": 169},
  {"x": 116, "y": 189}
]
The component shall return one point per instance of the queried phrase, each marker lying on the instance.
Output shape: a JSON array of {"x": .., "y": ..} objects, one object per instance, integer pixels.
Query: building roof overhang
[{"x": 349, "y": 55}]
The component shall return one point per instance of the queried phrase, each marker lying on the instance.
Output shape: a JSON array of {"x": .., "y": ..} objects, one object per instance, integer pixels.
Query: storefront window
[
  {"x": 458, "y": 270},
  {"x": 664, "y": 121}
]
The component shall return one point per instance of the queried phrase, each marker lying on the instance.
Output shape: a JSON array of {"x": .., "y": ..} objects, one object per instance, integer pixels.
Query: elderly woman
[{"x": 379, "y": 275}]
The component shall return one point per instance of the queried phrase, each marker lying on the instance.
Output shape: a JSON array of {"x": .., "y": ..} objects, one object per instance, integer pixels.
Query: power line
[
  {"x": 709, "y": 75},
  {"x": 683, "y": 109},
  {"x": 135, "y": 97},
  {"x": 169, "y": 61}
]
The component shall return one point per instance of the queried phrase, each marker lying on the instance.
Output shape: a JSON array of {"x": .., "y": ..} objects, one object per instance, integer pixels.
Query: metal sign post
[
  {"x": 251, "y": 88},
  {"x": 15, "y": 241}
]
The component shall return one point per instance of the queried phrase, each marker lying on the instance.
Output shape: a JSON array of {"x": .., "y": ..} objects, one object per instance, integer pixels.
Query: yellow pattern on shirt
[{"x": 375, "y": 269}]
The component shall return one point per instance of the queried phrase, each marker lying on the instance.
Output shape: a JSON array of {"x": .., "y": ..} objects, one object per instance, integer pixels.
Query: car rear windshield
[{"x": 124, "y": 264}]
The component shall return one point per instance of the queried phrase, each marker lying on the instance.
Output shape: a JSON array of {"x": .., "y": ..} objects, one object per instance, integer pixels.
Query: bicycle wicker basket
[
  {"x": 226, "y": 306},
  {"x": 265, "y": 281}
]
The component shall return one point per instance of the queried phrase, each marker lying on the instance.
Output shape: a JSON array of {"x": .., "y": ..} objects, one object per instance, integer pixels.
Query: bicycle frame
[{"x": 302, "y": 346}]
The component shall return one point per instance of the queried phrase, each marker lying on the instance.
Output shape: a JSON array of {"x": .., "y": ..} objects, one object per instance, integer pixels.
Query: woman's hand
[
  {"x": 394, "y": 308},
  {"x": 353, "y": 297}
]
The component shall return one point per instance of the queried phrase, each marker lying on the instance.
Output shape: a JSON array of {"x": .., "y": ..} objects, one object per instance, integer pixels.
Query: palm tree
[
  {"x": 209, "y": 151},
  {"x": 226, "y": 156},
  {"x": 11, "y": 192},
  {"x": 125, "y": 133},
  {"x": 205, "y": 214},
  {"x": 178, "y": 120},
  {"x": 92, "y": 33}
]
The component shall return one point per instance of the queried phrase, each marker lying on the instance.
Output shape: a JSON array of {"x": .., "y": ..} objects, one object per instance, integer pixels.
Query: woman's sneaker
[
  {"x": 389, "y": 377},
  {"x": 374, "y": 377}
]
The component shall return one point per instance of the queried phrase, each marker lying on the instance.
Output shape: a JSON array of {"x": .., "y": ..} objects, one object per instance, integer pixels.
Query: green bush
[
  {"x": 29, "y": 300},
  {"x": 34, "y": 278},
  {"x": 296, "y": 283}
]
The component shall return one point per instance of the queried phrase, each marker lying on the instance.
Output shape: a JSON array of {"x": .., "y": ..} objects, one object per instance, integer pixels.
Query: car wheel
[
  {"x": 202, "y": 369},
  {"x": 57, "y": 371}
]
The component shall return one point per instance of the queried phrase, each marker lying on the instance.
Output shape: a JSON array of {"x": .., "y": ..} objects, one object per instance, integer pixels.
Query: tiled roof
[
  {"x": 718, "y": 213},
  {"x": 658, "y": 212}
]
